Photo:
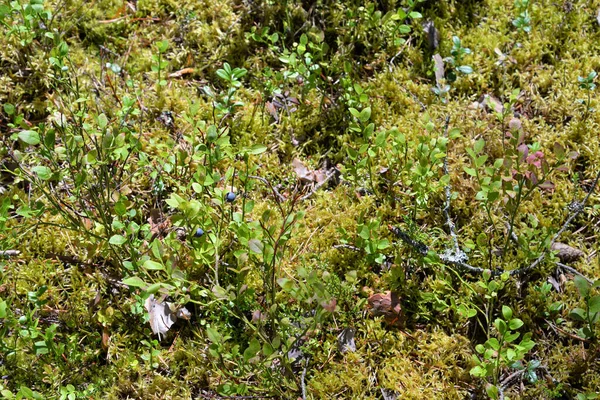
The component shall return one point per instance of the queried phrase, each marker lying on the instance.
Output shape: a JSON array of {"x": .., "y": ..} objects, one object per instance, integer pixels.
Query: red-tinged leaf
[
  {"x": 329, "y": 305},
  {"x": 573, "y": 155},
  {"x": 547, "y": 185}
]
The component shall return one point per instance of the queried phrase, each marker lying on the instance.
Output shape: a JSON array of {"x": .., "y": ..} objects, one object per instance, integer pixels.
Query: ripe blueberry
[
  {"x": 199, "y": 232},
  {"x": 230, "y": 197}
]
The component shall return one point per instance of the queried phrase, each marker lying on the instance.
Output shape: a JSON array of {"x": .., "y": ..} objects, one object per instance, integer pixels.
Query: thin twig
[
  {"x": 303, "y": 384},
  {"x": 279, "y": 196},
  {"x": 509, "y": 380},
  {"x": 424, "y": 250},
  {"x": 574, "y": 271},
  {"x": 448, "y": 190},
  {"x": 346, "y": 246},
  {"x": 9, "y": 253}
]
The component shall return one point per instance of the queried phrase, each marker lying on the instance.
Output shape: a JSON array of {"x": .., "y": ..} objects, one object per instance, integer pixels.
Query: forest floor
[{"x": 277, "y": 199}]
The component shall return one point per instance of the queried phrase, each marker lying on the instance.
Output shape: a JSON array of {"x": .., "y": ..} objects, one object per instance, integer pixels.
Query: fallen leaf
[
  {"x": 388, "y": 305},
  {"x": 493, "y": 104},
  {"x": 303, "y": 173},
  {"x": 566, "y": 253},
  {"x": 163, "y": 315},
  {"x": 346, "y": 340},
  {"x": 439, "y": 69}
]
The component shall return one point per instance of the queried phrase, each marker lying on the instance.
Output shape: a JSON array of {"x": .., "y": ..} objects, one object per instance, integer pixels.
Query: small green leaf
[
  {"x": 285, "y": 283},
  {"x": 29, "y": 137},
  {"x": 257, "y": 149},
  {"x": 578, "y": 314},
  {"x": 252, "y": 350},
  {"x": 582, "y": 285},
  {"x": 44, "y": 173},
  {"x": 134, "y": 281},
  {"x": 153, "y": 265},
  {"x": 478, "y": 146},
  {"x": 515, "y": 324},
  {"x": 594, "y": 305},
  {"x": 117, "y": 240},
  {"x": 365, "y": 115},
  {"x": 9, "y": 109},
  {"x": 102, "y": 121},
  {"x": 470, "y": 171},
  {"x": 506, "y": 312},
  {"x": 3, "y": 307},
  {"x": 255, "y": 246},
  {"x": 213, "y": 335}
]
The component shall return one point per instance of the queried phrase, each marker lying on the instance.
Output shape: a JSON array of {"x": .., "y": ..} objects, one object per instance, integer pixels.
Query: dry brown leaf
[
  {"x": 566, "y": 253},
  {"x": 303, "y": 173},
  {"x": 388, "y": 305}
]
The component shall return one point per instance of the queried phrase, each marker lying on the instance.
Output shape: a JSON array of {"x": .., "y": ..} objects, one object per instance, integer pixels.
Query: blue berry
[
  {"x": 230, "y": 197},
  {"x": 199, "y": 232}
]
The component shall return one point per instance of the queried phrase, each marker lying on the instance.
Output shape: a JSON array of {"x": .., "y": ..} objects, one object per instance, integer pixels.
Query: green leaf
[
  {"x": 102, "y": 121},
  {"x": 153, "y": 265},
  {"x": 478, "y": 146},
  {"x": 213, "y": 335},
  {"x": 479, "y": 161},
  {"x": 252, "y": 350},
  {"x": 117, "y": 240},
  {"x": 594, "y": 305},
  {"x": 9, "y": 109},
  {"x": 134, "y": 281},
  {"x": 515, "y": 324},
  {"x": 44, "y": 173},
  {"x": 493, "y": 343},
  {"x": 492, "y": 391},
  {"x": 470, "y": 171},
  {"x": 368, "y": 131},
  {"x": 582, "y": 285},
  {"x": 50, "y": 139},
  {"x": 285, "y": 283},
  {"x": 255, "y": 246},
  {"x": 506, "y": 312},
  {"x": 500, "y": 325},
  {"x": 3, "y": 306},
  {"x": 478, "y": 372},
  {"x": 155, "y": 287},
  {"x": 578, "y": 314},
  {"x": 29, "y": 137},
  {"x": 354, "y": 112},
  {"x": 257, "y": 149},
  {"x": 365, "y": 115}
]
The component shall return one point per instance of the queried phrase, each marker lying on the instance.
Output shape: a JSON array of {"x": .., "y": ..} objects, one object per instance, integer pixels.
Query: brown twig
[{"x": 574, "y": 271}]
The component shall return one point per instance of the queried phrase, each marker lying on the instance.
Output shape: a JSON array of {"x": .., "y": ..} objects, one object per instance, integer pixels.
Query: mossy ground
[{"x": 100, "y": 328}]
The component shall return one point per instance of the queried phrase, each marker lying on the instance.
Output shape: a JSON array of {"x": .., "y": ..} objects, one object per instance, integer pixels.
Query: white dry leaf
[
  {"x": 303, "y": 173},
  {"x": 493, "y": 104},
  {"x": 439, "y": 69},
  {"x": 306, "y": 175},
  {"x": 162, "y": 315}
]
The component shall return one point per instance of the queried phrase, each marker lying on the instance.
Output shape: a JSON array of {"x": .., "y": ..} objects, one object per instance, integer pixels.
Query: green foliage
[
  {"x": 590, "y": 314},
  {"x": 123, "y": 135},
  {"x": 501, "y": 351}
]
